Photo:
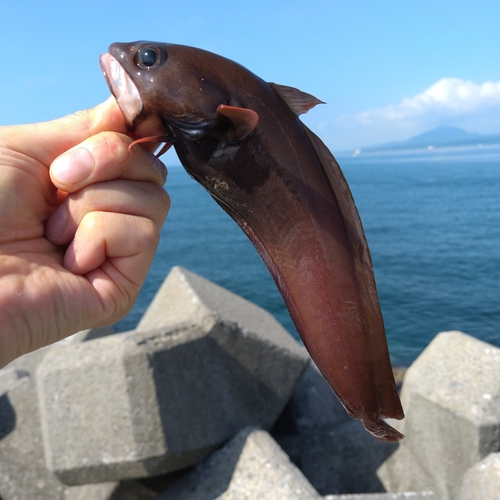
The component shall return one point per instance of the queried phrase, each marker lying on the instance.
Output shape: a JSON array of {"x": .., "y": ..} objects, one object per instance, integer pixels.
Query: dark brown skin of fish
[{"x": 286, "y": 191}]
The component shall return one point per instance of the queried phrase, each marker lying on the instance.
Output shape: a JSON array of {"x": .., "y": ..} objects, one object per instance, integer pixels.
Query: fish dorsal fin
[
  {"x": 299, "y": 102},
  {"x": 244, "y": 120}
]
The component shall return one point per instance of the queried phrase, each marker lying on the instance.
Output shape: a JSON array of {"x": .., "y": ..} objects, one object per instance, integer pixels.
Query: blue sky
[{"x": 387, "y": 69}]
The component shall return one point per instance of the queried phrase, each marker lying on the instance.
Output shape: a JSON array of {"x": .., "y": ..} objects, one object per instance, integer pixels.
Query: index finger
[{"x": 47, "y": 140}]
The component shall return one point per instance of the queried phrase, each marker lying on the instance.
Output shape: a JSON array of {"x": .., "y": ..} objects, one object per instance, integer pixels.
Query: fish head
[{"x": 164, "y": 82}]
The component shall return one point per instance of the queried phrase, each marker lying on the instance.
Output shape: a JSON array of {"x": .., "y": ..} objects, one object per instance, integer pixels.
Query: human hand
[{"x": 80, "y": 222}]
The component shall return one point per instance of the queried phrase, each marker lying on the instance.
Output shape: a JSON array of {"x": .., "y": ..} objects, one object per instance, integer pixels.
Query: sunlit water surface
[{"x": 432, "y": 220}]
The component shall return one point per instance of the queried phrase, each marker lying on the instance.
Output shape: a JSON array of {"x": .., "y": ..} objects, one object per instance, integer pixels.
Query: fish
[{"x": 241, "y": 138}]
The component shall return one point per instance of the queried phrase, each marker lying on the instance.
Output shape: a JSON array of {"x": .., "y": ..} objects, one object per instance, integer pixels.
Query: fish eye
[{"x": 148, "y": 57}]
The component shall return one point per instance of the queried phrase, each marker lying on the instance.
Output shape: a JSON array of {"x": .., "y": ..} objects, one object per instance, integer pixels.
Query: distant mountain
[{"x": 438, "y": 137}]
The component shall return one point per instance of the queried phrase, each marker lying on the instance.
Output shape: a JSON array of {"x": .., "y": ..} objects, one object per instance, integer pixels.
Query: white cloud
[{"x": 448, "y": 97}]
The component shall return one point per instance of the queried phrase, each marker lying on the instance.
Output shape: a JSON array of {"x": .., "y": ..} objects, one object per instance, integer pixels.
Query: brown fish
[{"x": 240, "y": 137}]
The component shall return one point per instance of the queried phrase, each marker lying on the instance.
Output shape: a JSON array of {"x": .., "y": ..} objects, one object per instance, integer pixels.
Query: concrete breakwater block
[
  {"x": 482, "y": 482},
  {"x": 29, "y": 362},
  {"x": 22, "y": 465},
  {"x": 250, "y": 466},
  {"x": 411, "y": 495},
  {"x": 333, "y": 451},
  {"x": 23, "y": 474},
  {"x": 10, "y": 377},
  {"x": 451, "y": 397},
  {"x": 187, "y": 297},
  {"x": 144, "y": 403}
]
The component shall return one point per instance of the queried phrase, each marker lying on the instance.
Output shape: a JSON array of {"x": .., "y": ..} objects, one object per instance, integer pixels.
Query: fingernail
[{"x": 73, "y": 167}]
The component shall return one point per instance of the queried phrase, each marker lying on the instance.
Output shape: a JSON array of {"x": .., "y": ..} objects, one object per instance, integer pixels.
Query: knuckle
[
  {"x": 82, "y": 119},
  {"x": 150, "y": 232},
  {"x": 159, "y": 201},
  {"x": 163, "y": 201},
  {"x": 109, "y": 149},
  {"x": 158, "y": 196},
  {"x": 90, "y": 221},
  {"x": 112, "y": 145}
]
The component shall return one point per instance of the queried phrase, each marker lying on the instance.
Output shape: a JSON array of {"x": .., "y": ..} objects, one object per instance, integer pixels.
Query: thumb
[{"x": 47, "y": 140}]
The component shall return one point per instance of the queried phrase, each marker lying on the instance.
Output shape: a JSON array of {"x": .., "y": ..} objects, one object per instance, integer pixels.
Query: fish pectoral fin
[
  {"x": 299, "y": 102},
  {"x": 244, "y": 120}
]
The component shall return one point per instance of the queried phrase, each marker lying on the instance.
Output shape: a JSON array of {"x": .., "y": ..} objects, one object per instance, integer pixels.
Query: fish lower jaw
[{"x": 122, "y": 87}]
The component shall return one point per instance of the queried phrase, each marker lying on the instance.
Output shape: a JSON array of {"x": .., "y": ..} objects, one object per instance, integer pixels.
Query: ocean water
[{"x": 432, "y": 220}]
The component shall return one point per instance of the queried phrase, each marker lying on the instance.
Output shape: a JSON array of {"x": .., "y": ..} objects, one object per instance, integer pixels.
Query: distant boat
[{"x": 356, "y": 152}]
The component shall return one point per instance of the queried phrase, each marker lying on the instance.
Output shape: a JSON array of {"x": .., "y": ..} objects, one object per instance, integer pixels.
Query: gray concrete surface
[
  {"x": 23, "y": 474},
  {"x": 423, "y": 495},
  {"x": 451, "y": 397},
  {"x": 251, "y": 466},
  {"x": 482, "y": 481},
  {"x": 144, "y": 403},
  {"x": 333, "y": 451}
]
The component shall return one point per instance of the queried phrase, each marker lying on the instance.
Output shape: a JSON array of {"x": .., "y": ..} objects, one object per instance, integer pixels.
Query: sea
[{"x": 432, "y": 221}]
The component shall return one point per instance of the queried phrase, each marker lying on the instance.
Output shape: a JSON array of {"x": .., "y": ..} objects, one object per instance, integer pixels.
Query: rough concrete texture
[
  {"x": 90, "y": 334},
  {"x": 187, "y": 297},
  {"x": 22, "y": 466},
  {"x": 9, "y": 378},
  {"x": 145, "y": 403},
  {"x": 451, "y": 397},
  {"x": 125, "y": 490},
  {"x": 334, "y": 452},
  {"x": 29, "y": 362},
  {"x": 23, "y": 474},
  {"x": 250, "y": 466},
  {"x": 421, "y": 495},
  {"x": 482, "y": 482}
]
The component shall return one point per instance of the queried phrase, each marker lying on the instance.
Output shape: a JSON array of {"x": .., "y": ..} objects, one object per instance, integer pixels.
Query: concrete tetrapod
[
  {"x": 144, "y": 403},
  {"x": 482, "y": 482},
  {"x": 250, "y": 466},
  {"x": 451, "y": 396},
  {"x": 332, "y": 450},
  {"x": 23, "y": 474}
]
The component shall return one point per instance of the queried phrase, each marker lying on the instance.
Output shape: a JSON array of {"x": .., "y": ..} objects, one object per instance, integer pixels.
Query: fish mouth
[{"x": 122, "y": 87}]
